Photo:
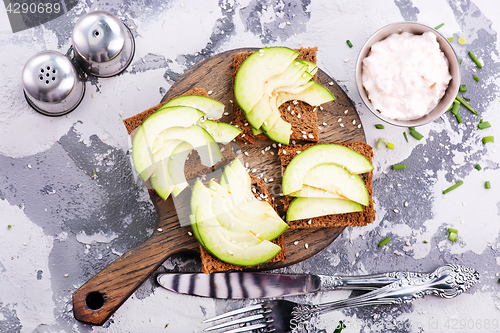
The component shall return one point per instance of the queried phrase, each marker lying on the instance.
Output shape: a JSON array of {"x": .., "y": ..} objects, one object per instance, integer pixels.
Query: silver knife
[{"x": 235, "y": 285}]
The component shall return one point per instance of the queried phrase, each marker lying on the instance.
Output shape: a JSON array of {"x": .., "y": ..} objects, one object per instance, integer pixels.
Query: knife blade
[{"x": 243, "y": 285}]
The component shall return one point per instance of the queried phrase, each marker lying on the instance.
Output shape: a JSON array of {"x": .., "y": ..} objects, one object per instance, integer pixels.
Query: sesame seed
[
  {"x": 246, "y": 153},
  {"x": 357, "y": 255},
  {"x": 296, "y": 242},
  {"x": 396, "y": 211},
  {"x": 341, "y": 125},
  {"x": 293, "y": 112},
  {"x": 345, "y": 112},
  {"x": 311, "y": 136},
  {"x": 304, "y": 136},
  {"x": 263, "y": 152},
  {"x": 29, "y": 166},
  {"x": 190, "y": 233},
  {"x": 324, "y": 124},
  {"x": 295, "y": 102},
  {"x": 359, "y": 125},
  {"x": 353, "y": 263},
  {"x": 298, "y": 116},
  {"x": 406, "y": 203},
  {"x": 330, "y": 83},
  {"x": 66, "y": 275},
  {"x": 321, "y": 108},
  {"x": 306, "y": 245},
  {"x": 301, "y": 42},
  {"x": 309, "y": 222},
  {"x": 160, "y": 229},
  {"x": 284, "y": 152},
  {"x": 319, "y": 127},
  {"x": 463, "y": 203},
  {"x": 339, "y": 120}
]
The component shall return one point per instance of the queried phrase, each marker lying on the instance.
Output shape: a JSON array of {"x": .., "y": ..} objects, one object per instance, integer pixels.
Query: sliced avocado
[
  {"x": 259, "y": 222},
  {"x": 315, "y": 94},
  {"x": 237, "y": 187},
  {"x": 160, "y": 179},
  {"x": 311, "y": 66},
  {"x": 175, "y": 167},
  {"x": 211, "y": 108},
  {"x": 243, "y": 252},
  {"x": 198, "y": 137},
  {"x": 307, "y": 208},
  {"x": 313, "y": 192},
  {"x": 176, "y": 116},
  {"x": 259, "y": 112},
  {"x": 280, "y": 131},
  {"x": 256, "y": 131},
  {"x": 300, "y": 165},
  {"x": 249, "y": 83},
  {"x": 221, "y": 132},
  {"x": 336, "y": 179}
]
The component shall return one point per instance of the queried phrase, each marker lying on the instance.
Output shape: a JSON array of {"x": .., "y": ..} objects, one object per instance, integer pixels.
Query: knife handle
[{"x": 103, "y": 294}]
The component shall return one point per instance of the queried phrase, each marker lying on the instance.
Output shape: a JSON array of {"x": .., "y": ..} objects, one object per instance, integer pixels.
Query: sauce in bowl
[{"x": 405, "y": 75}]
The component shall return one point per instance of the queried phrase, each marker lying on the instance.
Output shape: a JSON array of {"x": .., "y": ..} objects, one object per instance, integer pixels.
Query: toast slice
[
  {"x": 301, "y": 115},
  {"x": 212, "y": 264},
  {"x": 367, "y": 216}
]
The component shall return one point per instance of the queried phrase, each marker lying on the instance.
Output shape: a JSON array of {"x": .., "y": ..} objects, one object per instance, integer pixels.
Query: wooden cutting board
[{"x": 104, "y": 293}]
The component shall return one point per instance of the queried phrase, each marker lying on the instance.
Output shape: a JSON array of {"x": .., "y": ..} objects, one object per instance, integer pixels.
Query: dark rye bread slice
[
  {"x": 286, "y": 153},
  {"x": 300, "y": 114},
  {"x": 212, "y": 264},
  {"x": 193, "y": 167}
]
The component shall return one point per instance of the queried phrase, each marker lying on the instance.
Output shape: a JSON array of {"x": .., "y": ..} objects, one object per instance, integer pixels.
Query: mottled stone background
[{"x": 66, "y": 225}]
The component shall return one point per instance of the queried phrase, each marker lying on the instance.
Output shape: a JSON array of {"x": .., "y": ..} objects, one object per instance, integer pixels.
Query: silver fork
[{"x": 283, "y": 316}]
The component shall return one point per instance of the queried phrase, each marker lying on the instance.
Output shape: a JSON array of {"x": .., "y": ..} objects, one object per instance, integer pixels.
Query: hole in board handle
[{"x": 95, "y": 300}]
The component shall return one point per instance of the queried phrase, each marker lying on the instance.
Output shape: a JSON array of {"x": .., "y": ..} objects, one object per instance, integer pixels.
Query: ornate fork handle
[
  {"x": 364, "y": 282},
  {"x": 447, "y": 281}
]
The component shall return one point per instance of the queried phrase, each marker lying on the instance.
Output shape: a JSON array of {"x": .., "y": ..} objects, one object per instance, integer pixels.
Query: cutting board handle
[{"x": 103, "y": 294}]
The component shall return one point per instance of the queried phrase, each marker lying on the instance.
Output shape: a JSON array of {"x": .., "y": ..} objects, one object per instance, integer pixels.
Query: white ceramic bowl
[{"x": 417, "y": 29}]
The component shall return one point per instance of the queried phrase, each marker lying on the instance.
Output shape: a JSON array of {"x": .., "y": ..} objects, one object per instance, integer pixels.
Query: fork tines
[{"x": 260, "y": 316}]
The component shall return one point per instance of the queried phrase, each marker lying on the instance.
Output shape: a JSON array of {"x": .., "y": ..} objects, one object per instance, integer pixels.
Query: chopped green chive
[
  {"x": 451, "y": 188},
  {"x": 482, "y": 125},
  {"x": 450, "y": 39},
  {"x": 454, "y": 110},
  {"x": 425, "y": 242},
  {"x": 385, "y": 241},
  {"x": 9, "y": 227},
  {"x": 390, "y": 145},
  {"x": 452, "y": 236},
  {"x": 487, "y": 139},
  {"x": 379, "y": 126},
  {"x": 473, "y": 57},
  {"x": 94, "y": 173},
  {"x": 465, "y": 98},
  {"x": 476, "y": 78},
  {"x": 340, "y": 327},
  {"x": 478, "y": 167},
  {"x": 462, "y": 88},
  {"x": 460, "y": 61},
  {"x": 487, "y": 185},
  {"x": 381, "y": 142},
  {"x": 455, "y": 231},
  {"x": 415, "y": 134},
  {"x": 348, "y": 43},
  {"x": 406, "y": 137},
  {"x": 399, "y": 167},
  {"x": 439, "y": 26},
  {"x": 466, "y": 105}
]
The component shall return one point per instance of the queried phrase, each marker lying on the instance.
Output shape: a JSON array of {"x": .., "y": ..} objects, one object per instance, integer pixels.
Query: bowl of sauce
[{"x": 407, "y": 74}]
